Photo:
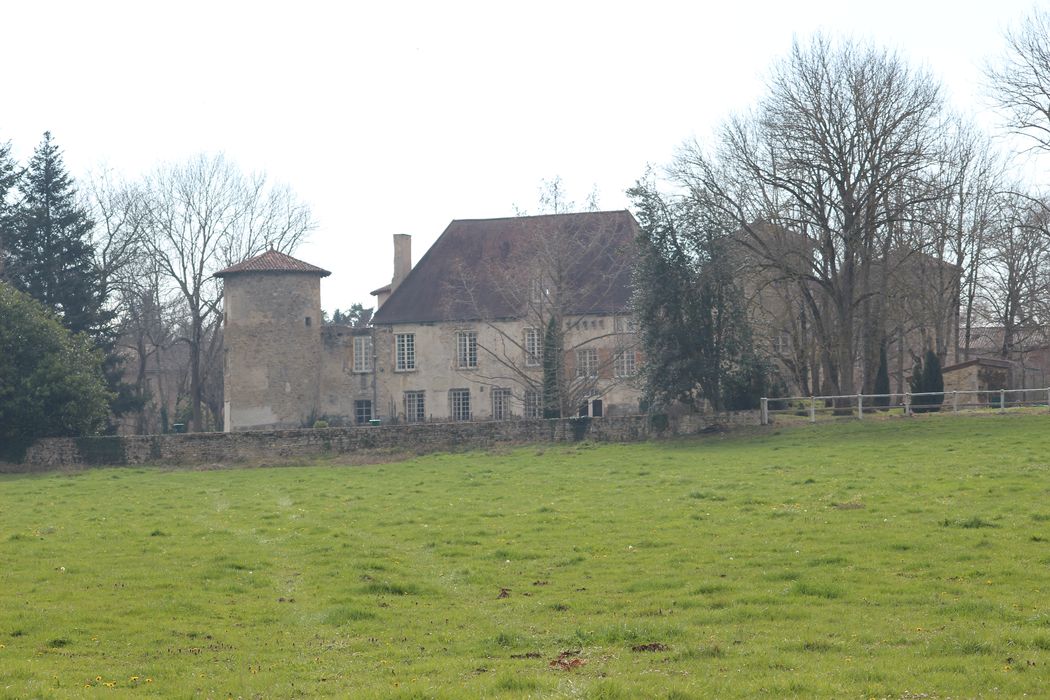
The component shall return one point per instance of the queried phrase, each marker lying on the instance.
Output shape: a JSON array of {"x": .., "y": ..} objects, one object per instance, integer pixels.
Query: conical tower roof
[{"x": 272, "y": 261}]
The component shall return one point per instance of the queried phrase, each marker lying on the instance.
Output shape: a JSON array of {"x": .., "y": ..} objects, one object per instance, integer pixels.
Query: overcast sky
[{"x": 399, "y": 117}]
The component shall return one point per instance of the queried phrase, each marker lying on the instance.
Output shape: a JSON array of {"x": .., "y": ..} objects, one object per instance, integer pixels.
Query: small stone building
[
  {"x": 272, "y": 336},
  {"x": 973, "y": 379}
]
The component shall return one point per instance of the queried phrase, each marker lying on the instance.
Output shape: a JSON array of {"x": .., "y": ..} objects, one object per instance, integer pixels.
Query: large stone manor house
[{"x": 459, "y": 336}]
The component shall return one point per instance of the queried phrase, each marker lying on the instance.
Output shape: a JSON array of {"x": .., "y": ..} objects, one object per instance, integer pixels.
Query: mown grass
[{"x": 888, "y": 559}]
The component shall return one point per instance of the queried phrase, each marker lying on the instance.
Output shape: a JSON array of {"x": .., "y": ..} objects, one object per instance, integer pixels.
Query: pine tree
[
  {"x": 882, "y": 378},
  {"x": 553, "y": 365},
  {"x": 933, "y": 380},
  {"x": 688, "y": 301},
  {"x": 927, "y": 378},
  {"x": 8, "y": 180},
  {"x": 49, "y": 245}
]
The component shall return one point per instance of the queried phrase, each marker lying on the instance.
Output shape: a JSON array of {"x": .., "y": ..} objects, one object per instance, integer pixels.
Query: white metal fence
[{"x": 860, "y": 405}]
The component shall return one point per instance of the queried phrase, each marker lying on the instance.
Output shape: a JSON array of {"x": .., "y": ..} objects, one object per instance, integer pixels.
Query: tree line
[
  {"x": 854, "y": 202},
  {"x": 849, "y": 211},
  {"x": 124, "y": 267}
]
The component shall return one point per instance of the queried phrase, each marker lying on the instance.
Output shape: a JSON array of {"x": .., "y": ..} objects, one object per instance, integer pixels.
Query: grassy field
[{"x": 902, "y": 558}]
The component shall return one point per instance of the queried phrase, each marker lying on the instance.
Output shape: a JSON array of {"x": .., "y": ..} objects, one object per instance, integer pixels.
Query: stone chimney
[{"x": 402, "y": 259}]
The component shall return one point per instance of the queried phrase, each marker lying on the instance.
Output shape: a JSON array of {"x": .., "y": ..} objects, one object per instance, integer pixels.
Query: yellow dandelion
[
  {"x": 149, "y": 680},
  {"x": 134, "y": 678},
  {"x": 98, "y": 678}
]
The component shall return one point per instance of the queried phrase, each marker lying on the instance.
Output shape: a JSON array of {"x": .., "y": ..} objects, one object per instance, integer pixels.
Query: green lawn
[{"x": 888, "y": 558}]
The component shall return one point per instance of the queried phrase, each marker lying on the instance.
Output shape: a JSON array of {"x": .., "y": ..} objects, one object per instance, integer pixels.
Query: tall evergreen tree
[
  {"x": 933, "y": 380},
  {"x": 927, "y": 378},
  {"x": 882, "y": 378},
  {"x": 553, "y": 367},
  {"x": 8, "y": 179},
  {"x": 694, "y": 327},
  {"x": 49, "y": 245}
]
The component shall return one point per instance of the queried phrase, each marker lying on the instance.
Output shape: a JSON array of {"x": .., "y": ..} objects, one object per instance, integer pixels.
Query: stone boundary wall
[{"x": 276, "y": 446}]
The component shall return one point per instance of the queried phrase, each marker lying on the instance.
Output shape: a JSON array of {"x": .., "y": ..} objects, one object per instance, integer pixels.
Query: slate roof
[
  {"x": 272, "y": 261},
  {"x": 470, "y": 271}
]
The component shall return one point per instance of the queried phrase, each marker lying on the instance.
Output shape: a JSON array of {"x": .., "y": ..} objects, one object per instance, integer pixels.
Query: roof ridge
[
  {"x": 543, "y": 216},
  {"x": 272, "y": 260}
]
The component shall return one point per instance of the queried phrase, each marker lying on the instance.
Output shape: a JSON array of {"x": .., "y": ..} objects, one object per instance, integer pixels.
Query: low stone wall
[{"x": 291, "y": 445}]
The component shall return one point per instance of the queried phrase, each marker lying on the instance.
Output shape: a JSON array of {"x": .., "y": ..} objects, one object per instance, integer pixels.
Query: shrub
[{"x": 51, "y": 381}]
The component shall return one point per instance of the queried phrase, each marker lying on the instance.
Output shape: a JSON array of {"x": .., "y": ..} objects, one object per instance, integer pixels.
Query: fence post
[
  {"x": 1002, "y": 401},
  {"x": 955, "y": 401},
  {"x": 907, "y": 403},
  {"x": 812, "y": 409},
  {"x": 1048, "y": 399},
  {"x": 860, "y": 406},
  {"x": 765, "y": 411}
]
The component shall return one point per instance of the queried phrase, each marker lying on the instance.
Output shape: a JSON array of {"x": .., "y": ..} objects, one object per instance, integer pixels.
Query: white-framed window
[
  {"x": 466, "y": 349},
  {"x": 625, "y": 364},
  {"x": 405, "y": 352},
  {"x": 533, "y": 347},
  {"x": 415, "y": 408},
  {"x": 587, "y": 362},
  {"x": 500, "y": 403},
  {"x": 459, "y": 404},
  {"x": 362, "y": 353},
  {"x": 362, "y": 411},
  {"x": 533, "y": 406}
]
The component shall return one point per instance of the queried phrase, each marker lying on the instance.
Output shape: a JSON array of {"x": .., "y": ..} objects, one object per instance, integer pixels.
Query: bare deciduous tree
[
  {"x": 204, "y": 215},
  {"x": 837, "y": 154},
  {"x": 118, "y": 210},
  {"x": 1015, "y": 279},
  {"x": 1020, "y": 84}
]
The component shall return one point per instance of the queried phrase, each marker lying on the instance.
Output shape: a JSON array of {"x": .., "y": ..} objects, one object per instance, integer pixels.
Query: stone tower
[{"x": 272, "y": 337}]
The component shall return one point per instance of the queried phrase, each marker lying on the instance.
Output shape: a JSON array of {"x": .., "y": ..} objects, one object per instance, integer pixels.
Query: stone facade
[
  {"x": 460, "y": 336},
  {"x": 974, "y": 380},
  {"x": 290, "y": 446},
  {"x": 345, "y": 379},
  {"x": 272, "y": 353},
  {"x": 497, "y": 386},
  {"x": 461, "y": 357}
]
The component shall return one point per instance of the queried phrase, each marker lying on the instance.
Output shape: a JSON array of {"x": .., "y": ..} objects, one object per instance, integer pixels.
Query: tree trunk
[{"x": 196, "y": 421}]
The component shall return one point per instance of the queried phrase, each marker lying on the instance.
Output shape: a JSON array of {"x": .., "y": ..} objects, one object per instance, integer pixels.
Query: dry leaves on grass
[{"x": 567, "y": 661}]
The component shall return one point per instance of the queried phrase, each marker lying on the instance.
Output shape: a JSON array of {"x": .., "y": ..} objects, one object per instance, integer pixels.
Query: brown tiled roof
[
  {"x": 469, "y": 272},
  {"x": 989, "y": 361},
  {"x": 272, "y": 261}
]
